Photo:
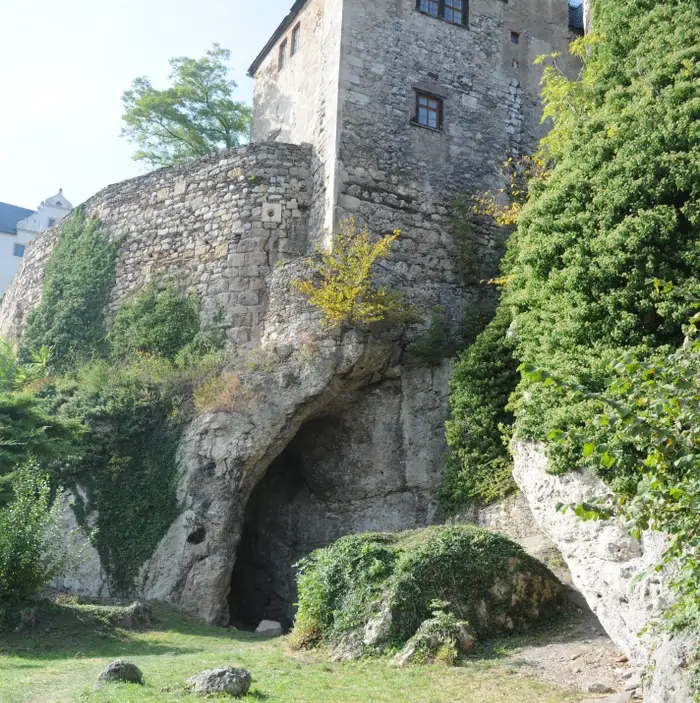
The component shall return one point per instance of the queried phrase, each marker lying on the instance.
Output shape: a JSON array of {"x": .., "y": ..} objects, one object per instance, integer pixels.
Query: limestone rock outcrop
[{"x": 613, "y": 571}]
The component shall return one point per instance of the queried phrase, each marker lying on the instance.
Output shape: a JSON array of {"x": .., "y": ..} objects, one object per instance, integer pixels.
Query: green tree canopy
[{"x": 194, "y": 117}]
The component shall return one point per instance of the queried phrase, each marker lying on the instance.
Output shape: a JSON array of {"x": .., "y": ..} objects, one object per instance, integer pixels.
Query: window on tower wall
[
  {"x": 296, "y": 38},
  {"x": 428, "y": 111},
  {"x": 453, "y": 11},
  {"x": 282, "y": 61}
]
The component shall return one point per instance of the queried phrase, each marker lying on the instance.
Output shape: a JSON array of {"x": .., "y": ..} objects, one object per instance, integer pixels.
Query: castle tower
[{"x": 408, "y": 103}]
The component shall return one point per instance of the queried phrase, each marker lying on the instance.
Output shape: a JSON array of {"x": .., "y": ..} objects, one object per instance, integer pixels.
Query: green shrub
[
  {"x": 33, "y": 550},
  {"x": 479, "y": 466},
  {"x": 156, "y": 322},
  {"x": 77, "y": 280},
  {"x": 343, "y": 286},
  {"x": 620, "y": 207},
  {"x": 343, "y": 586}
]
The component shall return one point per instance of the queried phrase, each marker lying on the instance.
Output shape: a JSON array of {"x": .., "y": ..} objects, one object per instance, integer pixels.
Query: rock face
[
  {"x": 235, "y": 682},
  {"x": 87, "y": 577},
  {"x": 368, "y": 464},
  {"x": 613, "y": 571}
]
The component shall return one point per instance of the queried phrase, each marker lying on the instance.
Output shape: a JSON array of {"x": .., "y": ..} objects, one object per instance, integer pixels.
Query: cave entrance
[
  {"x": 343, "y": 473},
  {"x": 286, "y": 519}
]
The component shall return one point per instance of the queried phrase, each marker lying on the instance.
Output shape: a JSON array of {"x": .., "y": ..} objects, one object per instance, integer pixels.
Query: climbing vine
[
  {"x": 479, "y": 466},
  {"x": 129, "y": 384},
  {"x": 78, "y": 277}
]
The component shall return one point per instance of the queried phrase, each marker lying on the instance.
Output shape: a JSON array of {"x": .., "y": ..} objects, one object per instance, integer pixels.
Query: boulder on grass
[
  {"x": 269, "y": 628},
  {"x": 120, "y": 671},
  {"x": 235, "y": 682},
  {"x": 366, "y": 591}
]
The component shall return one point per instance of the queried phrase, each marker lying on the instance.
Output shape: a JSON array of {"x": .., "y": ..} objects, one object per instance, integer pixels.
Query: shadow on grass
[{"x": 69, "y": 630}]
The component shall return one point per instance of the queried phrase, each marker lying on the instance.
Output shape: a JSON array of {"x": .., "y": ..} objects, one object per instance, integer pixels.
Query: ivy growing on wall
[
  {"x": 479, "y": 466},
  {"x": 127, "y": 383},
  {"x": 77, "y": 280}
]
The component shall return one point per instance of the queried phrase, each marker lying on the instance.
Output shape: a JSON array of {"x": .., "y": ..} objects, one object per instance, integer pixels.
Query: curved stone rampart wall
[{"x": 216, "y": 226}]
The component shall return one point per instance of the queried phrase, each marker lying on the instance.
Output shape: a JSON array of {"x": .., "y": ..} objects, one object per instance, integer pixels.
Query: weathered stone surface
[
  {"x": 120, "y": 671},
  {"x": 235, "y": 682},
  {"x": 210, "y": 237},
  {"x": 614, "y": 572},
  {"x": 378, "y": 628},
  {"x": 87, "y": 577},
  {"x": 224, "y": 455},
  {"x": 269, "y": 628}
]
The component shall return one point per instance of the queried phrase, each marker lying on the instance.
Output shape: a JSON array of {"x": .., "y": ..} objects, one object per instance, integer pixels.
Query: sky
[{"x": 64, "y": 66}]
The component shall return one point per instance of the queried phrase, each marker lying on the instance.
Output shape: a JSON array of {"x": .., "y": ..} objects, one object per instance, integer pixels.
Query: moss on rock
[{"x": 482, "y": 579}]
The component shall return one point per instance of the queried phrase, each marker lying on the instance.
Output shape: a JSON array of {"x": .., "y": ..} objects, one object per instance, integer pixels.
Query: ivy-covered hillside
[{"x": 600, "y": 290}]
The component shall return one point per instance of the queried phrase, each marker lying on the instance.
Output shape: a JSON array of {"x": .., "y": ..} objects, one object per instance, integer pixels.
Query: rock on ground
[
  {"x": 269, "y": 628},
  {"x": 235, "y": 682},
  {"x": 121, "y": 670}
]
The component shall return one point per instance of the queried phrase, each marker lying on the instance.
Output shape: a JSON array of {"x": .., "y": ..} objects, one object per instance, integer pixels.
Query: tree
[
  {"x": 194, "y": 117},
  {"x": 33, "y": 549}
]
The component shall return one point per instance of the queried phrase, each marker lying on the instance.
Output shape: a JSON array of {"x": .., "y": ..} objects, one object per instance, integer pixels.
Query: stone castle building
[
  {"x": 384, "y": 110},
  {"x": 407, "y": 104}
]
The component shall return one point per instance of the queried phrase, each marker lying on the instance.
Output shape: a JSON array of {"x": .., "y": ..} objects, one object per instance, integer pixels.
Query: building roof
[
  {"x": 293, "y": 13},
  {"x": 10, "y": 215},
  {"x": 576, "y": 15}
]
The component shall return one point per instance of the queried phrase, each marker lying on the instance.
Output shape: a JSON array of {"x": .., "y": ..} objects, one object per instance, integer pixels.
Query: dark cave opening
[
  {"x": 279, "y": 530},
  {"x": 258, "y": 590}
]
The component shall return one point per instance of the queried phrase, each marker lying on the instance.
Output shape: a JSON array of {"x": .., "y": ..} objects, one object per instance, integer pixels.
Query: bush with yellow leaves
[{"x": 342, "y": 283}]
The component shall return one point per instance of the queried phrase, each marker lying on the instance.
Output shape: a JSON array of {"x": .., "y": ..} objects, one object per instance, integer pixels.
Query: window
[
  {"x": 514, "y": 38},
  {"x": 296, "y": 37},
  {"x": 453, "y": 11},
  {"x": 428, "y": 111},
  {"x": 432, "y": 7},
  {"x": 283, "y": 55},
  {"x": 19, "y": 250},
  {"x": 52, "y": 221}
]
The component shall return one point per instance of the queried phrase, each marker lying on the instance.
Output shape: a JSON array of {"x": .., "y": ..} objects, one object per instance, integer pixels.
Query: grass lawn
[{"x": 60, "y": 659}]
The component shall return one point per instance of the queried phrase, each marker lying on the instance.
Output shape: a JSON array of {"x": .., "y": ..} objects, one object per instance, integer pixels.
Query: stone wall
[
  {"x": 351, "y": 92},
  {"x": 393, "y": 173},
  {"x": 216, "y": 226},
  {"x": 298, "y": 103}
]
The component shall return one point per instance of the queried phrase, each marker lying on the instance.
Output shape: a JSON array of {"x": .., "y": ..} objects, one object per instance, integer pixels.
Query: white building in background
[{"x": 19, "y": 225}]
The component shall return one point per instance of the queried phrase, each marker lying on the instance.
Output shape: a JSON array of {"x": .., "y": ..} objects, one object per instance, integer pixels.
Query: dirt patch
[{"x": 582, "y": 658}]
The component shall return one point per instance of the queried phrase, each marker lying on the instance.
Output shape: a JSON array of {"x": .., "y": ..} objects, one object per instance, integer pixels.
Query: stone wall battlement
[{"x": 216, "y": 227}]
